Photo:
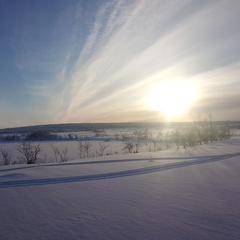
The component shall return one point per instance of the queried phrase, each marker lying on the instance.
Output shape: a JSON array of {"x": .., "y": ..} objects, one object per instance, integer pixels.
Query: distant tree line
[
  {"x": 10, "y": 137},
  {"x": 40, "y": 135},
  {"x": 201, "y": 131},
  {"x": 46, "y": 135}
]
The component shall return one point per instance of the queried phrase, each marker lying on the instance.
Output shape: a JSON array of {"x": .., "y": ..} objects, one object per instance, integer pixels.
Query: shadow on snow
[{"x": 126, "y": 173}]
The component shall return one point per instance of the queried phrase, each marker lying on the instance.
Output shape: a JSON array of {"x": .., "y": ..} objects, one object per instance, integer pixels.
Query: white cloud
[{"x": 132, "y": 45}]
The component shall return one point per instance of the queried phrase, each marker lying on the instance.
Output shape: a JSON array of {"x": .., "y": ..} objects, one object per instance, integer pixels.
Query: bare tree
[
  {"x": 7, "y": 156},
  {"x": 224, "y": 131},
  {"x": 60, "y": 155},
  {"x": 29, "y": 152},
  {"x": 86, "y": 147},
  {"x": 207, "y": 129},
  {"x": 149, "y": 147},
  {"x": 56, "y": 151},
  {"x": 102, "y": 148},
  {"x": 80, "y": 152},
  {"x": 212, "y": 128},
  {"x": 128, "y": 143},
  {"x": 63, "y": 154}
]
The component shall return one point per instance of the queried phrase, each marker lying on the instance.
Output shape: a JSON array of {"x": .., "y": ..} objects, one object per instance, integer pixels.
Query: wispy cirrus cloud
[
  {"x": 131, "y": 46},
  {"x": 100, "y": 59}
]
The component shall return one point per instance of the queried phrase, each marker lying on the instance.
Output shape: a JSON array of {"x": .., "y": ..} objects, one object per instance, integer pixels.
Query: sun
[{"x": 172, "y": 98}]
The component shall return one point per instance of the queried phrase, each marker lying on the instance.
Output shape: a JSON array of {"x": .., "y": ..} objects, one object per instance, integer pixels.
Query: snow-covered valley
[{"x": 178, "y": 194}]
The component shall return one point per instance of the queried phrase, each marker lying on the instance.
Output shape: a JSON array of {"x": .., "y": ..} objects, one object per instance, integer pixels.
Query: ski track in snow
[
  {"x": 126, "y": 173},
  {"x": 116, "y": 161}
]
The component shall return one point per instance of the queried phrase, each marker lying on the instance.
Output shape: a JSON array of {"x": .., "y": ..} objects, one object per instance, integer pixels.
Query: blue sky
[{"x": 98, "y": 61}]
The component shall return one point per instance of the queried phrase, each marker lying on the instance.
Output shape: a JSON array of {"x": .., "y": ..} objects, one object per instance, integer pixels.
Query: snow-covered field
[{"x": 173, "y": 195}]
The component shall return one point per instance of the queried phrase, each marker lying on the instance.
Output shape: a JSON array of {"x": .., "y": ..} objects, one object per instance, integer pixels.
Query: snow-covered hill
[{"x": 178, "y": 195}]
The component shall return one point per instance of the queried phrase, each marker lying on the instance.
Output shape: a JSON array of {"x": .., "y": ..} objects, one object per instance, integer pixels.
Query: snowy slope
[{"x": 193, "y": 194}]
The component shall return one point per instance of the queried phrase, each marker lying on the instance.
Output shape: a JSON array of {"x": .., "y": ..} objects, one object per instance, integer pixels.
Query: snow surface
[{"x": 178, "y": 194}]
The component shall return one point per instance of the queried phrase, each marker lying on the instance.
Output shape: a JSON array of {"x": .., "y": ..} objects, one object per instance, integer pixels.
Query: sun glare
[{"x": 172, "y": 98}]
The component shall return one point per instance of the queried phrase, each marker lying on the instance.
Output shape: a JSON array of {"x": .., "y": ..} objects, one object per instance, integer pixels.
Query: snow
[{"x": 174, "y": 194}]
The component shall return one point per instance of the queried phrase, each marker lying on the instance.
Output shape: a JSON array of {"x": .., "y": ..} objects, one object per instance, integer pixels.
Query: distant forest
[{"x": 76, "y": 127}]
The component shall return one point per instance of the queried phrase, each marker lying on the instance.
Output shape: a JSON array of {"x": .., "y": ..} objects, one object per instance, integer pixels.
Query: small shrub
[
  {"x": 86, "y": 147},
  {"x": 101, "y": 149},
  {"x": 63, "y": 155},
  {"x": 128, "y": 143},
  {"x": 29, "y": 152},
  {"x": 7, "y": 156},
  {"x": 80, "y": 152},
  {"x": 56, "y": 151},
  {"x": 60, "y": 155}
]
